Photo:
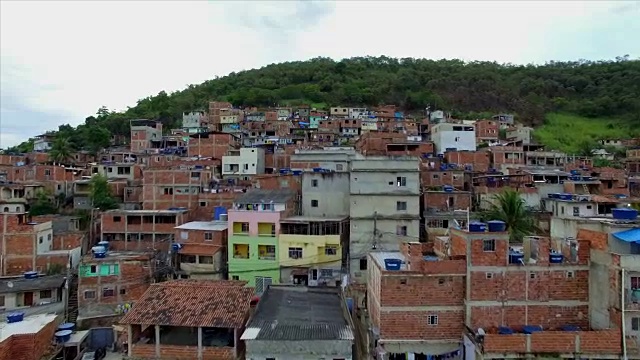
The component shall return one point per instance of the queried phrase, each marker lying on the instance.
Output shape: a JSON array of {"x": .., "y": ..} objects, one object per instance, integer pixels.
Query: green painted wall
[
  {"x": 99, "y": 270},
  {"x": 248, "y": 269}
]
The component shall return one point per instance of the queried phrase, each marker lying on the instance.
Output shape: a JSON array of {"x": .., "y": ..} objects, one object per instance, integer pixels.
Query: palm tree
[
  {"x": 60, "y": 150},
  {"x": 510, "y": 208}
]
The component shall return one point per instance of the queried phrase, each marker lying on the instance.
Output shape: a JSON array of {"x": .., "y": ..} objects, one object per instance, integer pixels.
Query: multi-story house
[
  {"x": 254, "y": 223},
  {"x": 244, "y": 163},
  {"x": 311, "y": 250},
  {"x": 487, "y": 131},
  {"x": 195, "y": 122},
  {"x": 141, "y": 230},
  {"x": 325, "y": 194},
  {"x": 521, "y": 135},
  {"x": 144, "y": 133},
  {"x": 202, "y": 249},
  {"x": 384, "y": 209},
  {"x": 43, "y": 142},
  {"x": 30, "y": 290},
  {"x": 448, "y": 136},
  {"x": 176, "y": 186}
]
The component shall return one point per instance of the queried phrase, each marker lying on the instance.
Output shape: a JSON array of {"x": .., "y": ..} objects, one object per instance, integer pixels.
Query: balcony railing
[
  {"x": 632, "y": 299},
  {"x": 267, "y": 256}
]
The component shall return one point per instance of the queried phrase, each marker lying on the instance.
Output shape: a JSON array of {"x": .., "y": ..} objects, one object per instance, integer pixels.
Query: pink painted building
[{"x": 254, "y": 225}]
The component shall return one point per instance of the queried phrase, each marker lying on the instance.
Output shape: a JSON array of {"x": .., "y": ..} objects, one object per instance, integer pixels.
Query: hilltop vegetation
[{"x": 589, "y": 89}]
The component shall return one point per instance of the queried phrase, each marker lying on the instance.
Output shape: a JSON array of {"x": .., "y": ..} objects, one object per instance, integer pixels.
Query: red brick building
[
  {"x": 30, "y": 338},
  {"x": 487, "y": 130},
  {"x": 392, "y": 144},
  {"x": 141, "y": 230},
  {"x": 419, "y": 308},
  {"x": 202, "y": 252},
  {"x": 477, "y": 161}
]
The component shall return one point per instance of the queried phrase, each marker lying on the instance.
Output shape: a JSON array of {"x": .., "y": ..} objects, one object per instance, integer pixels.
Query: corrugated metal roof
[
  {"x": 631, "y": 235},
  {"x": 192, "y": 303},
  {"x": 40, "y": 283}
]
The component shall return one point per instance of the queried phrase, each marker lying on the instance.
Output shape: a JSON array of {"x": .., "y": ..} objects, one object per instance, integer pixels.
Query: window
[
  {"x": 403, "y": 281},
  {"x": 49, "y": 237},
  {"x": 108, "y": 292},
  {"x": 203, "y": 203},
  {"x": 432, "y": 320},
  {"x": 190, "y": 259},
  {"x": 93, "y": 269},
  {"x": 576, "y": 211},
  {"x": 208, "y": 236},
  {"x": 401, "y": 181},
  {"x": 123, "y": 291},
  {"x": 340, "y": 167},
  {"x": 245, "y": 227},
  {"x": 489, "y": 275},
  {"x": 435, "y": 176},
  {"x": 532, "y": 275},
  {"x": 635, "y": 324},
  {"x": 635, "y": 282},
  {"x": 295, "y": 253},
  {"x": 40, "y": 240},
  {"x": 488, "y": 245},
  {"x": 45, "y": 294},
  {"x": 326, "y": 273},
  {"x": 202, "y": 259},
  {"x": 314, "y": 183},
  {"x": 330, "y": 250},
  {"x": 401, "y": 230},
  {"x": 89, "y": 294},
  {"x": 570, "y": 274},
  {"x": 47, "y": 172},
  {"x": 363, "y": 264},
  {"x": 1, "y": 301},
  {"x": 401, "y": 205},
  {"x": 235, "y": 277},
  {"x": 117, "y": 219},
  {"x": 314, "y": 203},
  {"x": 168, "y": 191},
  {"x": 195, "y": 175},
  {"x": 112, "y": 269}
]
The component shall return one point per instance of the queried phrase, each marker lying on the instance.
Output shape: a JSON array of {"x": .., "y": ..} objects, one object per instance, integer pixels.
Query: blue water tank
[
  {"x": 556, "y": 258},
  {"x": 477, "y": 227},
  {"x": 624, "y": 214},
  {"x": 566, "y": 196},
  {"x": 297, "y": 172},
  {"x": 350, "y": 305},
  {"x": 575, "y": 172},
  {"x": 574, "y": 177},
  {"x": 447, "y": 188},
  {"x": 431, "y": 258},
  {"x": 554, "y": 195},
  {"x": 31, "y": 275},
  {"x": 67, "y": 326},
  {"x": 569, "y": 328},
  {"x": 497, "y": 226},
  {"x": 317, "y": 169},
  {"x": 104, "y": 244},
  {"x": 503, "y": 330},
  {"x": 284, "y": 171},
  {"x": 15, "y": 317},
  {"x": 176, "y": 246},
  {"x": 516, "y": 257},
  {"x": 217, "y": 211},
  {"x": 392, "y": 264},
  {"x": 530, "y": 329},
  {"x": 443, "y": 167},
  {"x": 63, "y": 336},
  {"x": 453, "y": 166}
]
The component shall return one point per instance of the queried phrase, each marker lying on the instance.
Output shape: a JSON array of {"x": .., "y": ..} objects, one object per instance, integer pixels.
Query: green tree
[
  {"x": 61, "y": 150},
  {"x": 42, "y": 204},
  {"x": 509, "y": 207},
  {"x": 101, "y": 197},
  {"x": 95, "y": 138}
]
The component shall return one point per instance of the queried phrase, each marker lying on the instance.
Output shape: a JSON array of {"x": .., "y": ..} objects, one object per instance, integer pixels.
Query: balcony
[
  {"x": 632, "y": 299},
  {"x": 267, "y": 229},
  {"x": 241, "y": 228}
]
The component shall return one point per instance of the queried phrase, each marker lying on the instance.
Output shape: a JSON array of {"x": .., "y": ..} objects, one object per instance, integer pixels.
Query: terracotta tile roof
[
  {"x": 199, "y": 249},
  {"x": 192, "y": 303}
]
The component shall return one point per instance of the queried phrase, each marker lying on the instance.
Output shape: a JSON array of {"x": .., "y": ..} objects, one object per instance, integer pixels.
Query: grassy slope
[{"x": 566, "y": 132}]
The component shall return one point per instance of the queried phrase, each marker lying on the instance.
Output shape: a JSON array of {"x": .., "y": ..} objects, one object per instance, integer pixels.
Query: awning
[{"x": 631, "y": 235}]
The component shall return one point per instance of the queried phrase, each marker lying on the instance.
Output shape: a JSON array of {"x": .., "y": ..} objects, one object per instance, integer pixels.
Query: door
[{"x": 28, "y": 299}]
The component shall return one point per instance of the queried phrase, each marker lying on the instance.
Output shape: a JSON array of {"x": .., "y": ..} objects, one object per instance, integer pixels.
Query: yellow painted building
[{"x": 310, "y": 250}]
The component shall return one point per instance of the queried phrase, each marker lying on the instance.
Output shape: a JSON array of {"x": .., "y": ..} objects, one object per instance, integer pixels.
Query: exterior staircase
[
  {"x": 585, "y": 188},
  {"x": 72, "y": 302}
]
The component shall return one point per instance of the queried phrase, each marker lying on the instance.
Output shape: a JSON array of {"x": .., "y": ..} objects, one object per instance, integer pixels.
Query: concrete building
[
  {"x": 418, "y": 309},
  {"x": 325, "y": 194},
  {"x": 448, "y": 136},
  {"x": 144, "y": 133},
  {"x": 384, "y": 209},
  {"x": 43, "y": 142},
  {"x": 521, "y": 135},
  {"x": 311, "y": 250},
  {"x": 300, "y": 323},
  {"x": 254, "y": 224},
  {"x": 128, "y": 171},
  {"x": 339, "y": 111},
  {"x": 29, "y": 338},
  {"x": 17, "y": 293},
  {"x": 245, "y": 162},
  {"x": 202, "y": 249},
  {"x": 189, "y": 320},
  {"x": 195, "y": 121}
]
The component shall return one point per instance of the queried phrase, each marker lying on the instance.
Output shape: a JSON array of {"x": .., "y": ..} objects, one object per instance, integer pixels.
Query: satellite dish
[{"x": 10, "y": 284}]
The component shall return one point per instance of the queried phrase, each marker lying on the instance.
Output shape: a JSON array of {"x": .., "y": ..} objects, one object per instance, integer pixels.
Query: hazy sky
[{"x": 61, "y": 61}]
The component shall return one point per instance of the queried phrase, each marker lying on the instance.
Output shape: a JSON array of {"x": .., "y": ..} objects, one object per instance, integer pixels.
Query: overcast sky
[{"x": 61, "y": 61}]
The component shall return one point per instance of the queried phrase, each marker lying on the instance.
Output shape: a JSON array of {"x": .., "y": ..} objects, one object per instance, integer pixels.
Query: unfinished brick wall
[
  {"x": 29, "y": 346},
  {"x": 445, "y": 201},
  {"x": 176, "y": 352},
  {"x": 487, "y": 129},
  {"x": 587, "y": 343},
  {"x": 480, "y": 161},
  {"x": 213, "y": 145}
]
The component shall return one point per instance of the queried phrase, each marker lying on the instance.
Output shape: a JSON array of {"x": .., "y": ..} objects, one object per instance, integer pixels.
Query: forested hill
[{"x": 591, "y": 89}]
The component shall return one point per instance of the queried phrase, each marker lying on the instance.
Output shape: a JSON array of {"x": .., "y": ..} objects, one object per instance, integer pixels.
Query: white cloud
[{"x": 74, "y": 57}]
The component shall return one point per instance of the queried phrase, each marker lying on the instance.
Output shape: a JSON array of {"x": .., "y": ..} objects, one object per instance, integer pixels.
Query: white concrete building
[
  {"x": 243, "y": 162},
  {"x": 453, "y": 136}
]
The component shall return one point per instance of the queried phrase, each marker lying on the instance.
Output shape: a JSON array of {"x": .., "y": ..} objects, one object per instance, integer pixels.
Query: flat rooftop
[
  {"x": 148, "y": 212},
  {"x": 290, "y": 313},
  {"x": 120, "y": 255},
  {"x": 14, "y": 285},
  {"x": 204, "y": 225},
  {"x": 294, "y": 219},
  {"x": 380, "y": 256},
  {"x": 30, "y": 325}
]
